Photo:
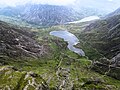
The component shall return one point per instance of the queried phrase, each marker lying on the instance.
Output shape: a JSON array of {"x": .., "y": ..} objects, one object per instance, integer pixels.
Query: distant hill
[
  {"x": 12, "y": 11},
  {"x": 48, "y": 15},
  {"x": 45, "y": 15},
  {"x": 116, "y": 12}
]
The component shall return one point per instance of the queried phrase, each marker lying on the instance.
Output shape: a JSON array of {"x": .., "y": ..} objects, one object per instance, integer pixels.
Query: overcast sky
[
  {"x": 109, "y": 5},
  {"x": 53, "y": 2},
  {"x": 103, "y": 4}
]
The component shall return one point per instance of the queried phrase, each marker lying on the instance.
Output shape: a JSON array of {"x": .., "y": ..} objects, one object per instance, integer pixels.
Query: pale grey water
[{"x": 71, "y": 40}]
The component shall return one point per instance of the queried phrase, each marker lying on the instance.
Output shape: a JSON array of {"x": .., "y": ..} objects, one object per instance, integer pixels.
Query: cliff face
[{"x": 18, "y": 42}]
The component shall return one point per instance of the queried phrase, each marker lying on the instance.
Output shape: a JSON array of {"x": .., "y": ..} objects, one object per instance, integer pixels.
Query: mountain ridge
[{"x": 47, "y": 15}]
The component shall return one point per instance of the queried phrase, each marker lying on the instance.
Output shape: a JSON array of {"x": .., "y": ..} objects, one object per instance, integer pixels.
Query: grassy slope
[
  {"x": 54, "y": 72},
  {"x": 51, "y": 72}
]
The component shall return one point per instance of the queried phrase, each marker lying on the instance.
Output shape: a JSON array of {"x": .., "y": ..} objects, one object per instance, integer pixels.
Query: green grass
[
  {"x": 45, "y": 68},
  {"x": 79, "y": 75}
]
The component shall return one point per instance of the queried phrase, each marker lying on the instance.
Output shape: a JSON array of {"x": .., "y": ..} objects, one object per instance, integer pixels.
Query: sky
[
  {"x": 109, "y": 5},
  {"x": 53, "y": 2},
  {"x": 103, "y": 4}
]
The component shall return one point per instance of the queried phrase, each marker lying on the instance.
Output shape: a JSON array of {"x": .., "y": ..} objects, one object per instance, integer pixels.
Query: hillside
[
  {"x": 116, "y": 12},
  {"x": 104, "y": 37},
  {"x": 18, "y": 42},
  {"x": 62, "y": 69},
  {"x": 47, "y": 15},
  {"x": 44, "y": 15},
  {"x": 34, "y": 55}
]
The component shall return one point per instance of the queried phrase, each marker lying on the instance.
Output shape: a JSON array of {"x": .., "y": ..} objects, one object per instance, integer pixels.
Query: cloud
[
  {"x": 109, "y": 5},
  {"x": 110, "y": 0},
  {"x": 105, "y": 5},
  {"x": 52, "y": 2},
  {"x": 55, "y": 2}
]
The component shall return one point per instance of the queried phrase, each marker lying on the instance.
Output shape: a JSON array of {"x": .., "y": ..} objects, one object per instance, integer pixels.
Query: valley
[{"x": 42, "y": 51}]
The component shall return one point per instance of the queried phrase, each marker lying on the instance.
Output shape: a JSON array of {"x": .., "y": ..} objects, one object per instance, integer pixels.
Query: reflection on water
[{"x": 71, "y": 39}]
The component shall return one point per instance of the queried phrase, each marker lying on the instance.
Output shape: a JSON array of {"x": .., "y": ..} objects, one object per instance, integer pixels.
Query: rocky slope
[
  {"x": 64, "y": 71},
  {"x": 18, "y": 42},
  {"x": 45, "y": 15},
  {"x": 104, "y": 36},
  {"x": 48, "y": 15},
  {"x": 70, "y": 74}
]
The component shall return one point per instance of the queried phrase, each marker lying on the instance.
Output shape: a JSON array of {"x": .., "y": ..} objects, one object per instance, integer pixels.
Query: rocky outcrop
[
  {"x": 15, "y": 80},
  {"x": 18, "y": 42},
  {"x": 108, "y": 67}
]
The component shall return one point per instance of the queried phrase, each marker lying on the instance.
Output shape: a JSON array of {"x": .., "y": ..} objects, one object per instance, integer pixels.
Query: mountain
[
  {"x": 90, "y": 11},
  {"x": 48, "y": 15},
  {"x": 32, "y": 59},
  {"x": 62, "y": 69},
  {"x": 116, "y": 12},
  {"x": 8, "y": 11},
  {"x": 19, "y": 42},
  {"x": 45, "y": 15},
  {"x": 12, "y": 11},
  {"x": 104, "y": 36}
]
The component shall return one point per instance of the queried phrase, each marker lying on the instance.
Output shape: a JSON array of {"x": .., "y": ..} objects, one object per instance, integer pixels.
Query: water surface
[
  {"x": 71, "y": 39},
  {"x": 86, "y": 19}
]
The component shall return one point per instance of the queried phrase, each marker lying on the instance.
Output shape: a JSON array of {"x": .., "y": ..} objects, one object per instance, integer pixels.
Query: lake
[{"x": 71, "y": 39}]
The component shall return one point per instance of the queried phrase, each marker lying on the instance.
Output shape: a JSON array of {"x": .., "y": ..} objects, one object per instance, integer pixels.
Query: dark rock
[
  {"x": 111, "y": 68},
  {"x": 19, "y": 42},
  {"x": 116, "y": 61},
  {"x": 100, "y": 67},
  {"x": 104, "y": 36}
]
